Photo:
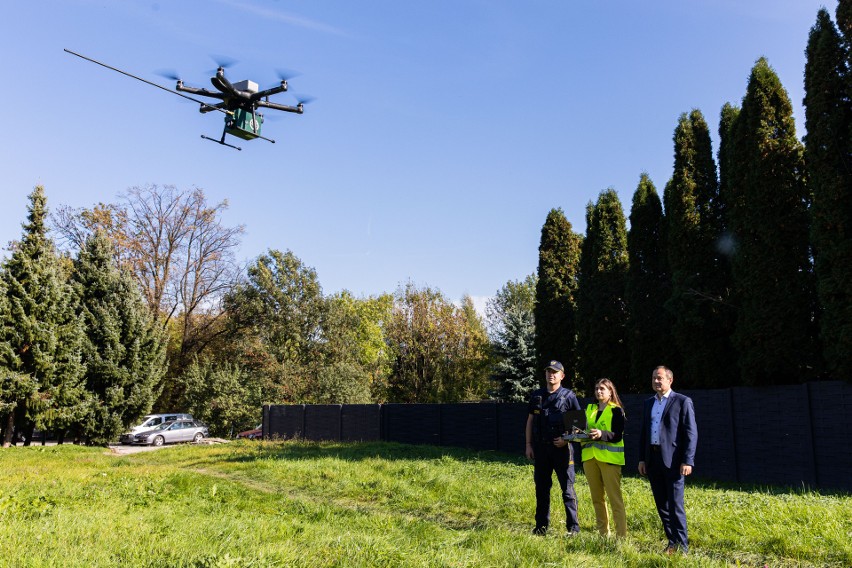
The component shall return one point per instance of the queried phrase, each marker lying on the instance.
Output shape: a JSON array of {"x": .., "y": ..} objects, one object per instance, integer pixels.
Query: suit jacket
[{"x": 678, "y": 431}]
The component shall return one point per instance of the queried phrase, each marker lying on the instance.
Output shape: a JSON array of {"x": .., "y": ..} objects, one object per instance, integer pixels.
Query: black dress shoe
[{"x": 540, "y": 531}]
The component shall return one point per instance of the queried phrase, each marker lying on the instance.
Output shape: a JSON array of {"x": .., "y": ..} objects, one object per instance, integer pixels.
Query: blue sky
[{"x": 441, "y": 135}]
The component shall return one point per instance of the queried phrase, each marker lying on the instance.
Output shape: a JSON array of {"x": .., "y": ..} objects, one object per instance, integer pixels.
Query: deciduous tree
[
  {"x": 179, "y": 251},
  {"x": 281, "y": 304},
  {"x": 355, "y": 360},
  {"x": 515, "y": 294},
  {"x": 475, "y": 358},
  {"x": 220, "y": 394},
  {"x": 439, "y": 354}
]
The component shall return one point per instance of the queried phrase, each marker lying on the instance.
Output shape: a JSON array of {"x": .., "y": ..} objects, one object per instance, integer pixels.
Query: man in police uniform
[{"x": 550, "y": 452}]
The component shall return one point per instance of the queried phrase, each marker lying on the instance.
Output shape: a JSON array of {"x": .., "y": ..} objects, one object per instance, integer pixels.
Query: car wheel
[
  {"x": 158, "y": 441},
  {"x": 198, "y": 436}
]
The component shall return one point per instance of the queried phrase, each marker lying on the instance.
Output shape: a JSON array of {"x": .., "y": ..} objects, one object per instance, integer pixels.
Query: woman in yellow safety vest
[{"x": 603, "y": 456}]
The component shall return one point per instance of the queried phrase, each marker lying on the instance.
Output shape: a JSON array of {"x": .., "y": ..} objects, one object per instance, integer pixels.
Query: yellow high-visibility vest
[{"x": 602, "y": 451}]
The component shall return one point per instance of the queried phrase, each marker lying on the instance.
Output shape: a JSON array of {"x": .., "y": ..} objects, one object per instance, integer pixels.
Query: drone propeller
[
  {"x": 303, "y": 99},
  {"x": 223, "y": 61},
  {"x": 168, "y": 74},
  {"x": 286, "y": 74}
]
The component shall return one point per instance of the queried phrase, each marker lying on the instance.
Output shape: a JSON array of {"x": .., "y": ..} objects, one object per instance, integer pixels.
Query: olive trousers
[{"x": 603, "y": 478}]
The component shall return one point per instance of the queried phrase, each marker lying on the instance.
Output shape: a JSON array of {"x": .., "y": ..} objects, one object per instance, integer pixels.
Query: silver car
[
  {"x": 149, "y": 422},
  {"x": 171, "y": 432}
]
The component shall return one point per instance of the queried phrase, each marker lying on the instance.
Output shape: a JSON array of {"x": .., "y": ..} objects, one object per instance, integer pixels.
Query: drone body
[
  {"x": 239, "y": 102},
  {"x": 244, "y": 125}
]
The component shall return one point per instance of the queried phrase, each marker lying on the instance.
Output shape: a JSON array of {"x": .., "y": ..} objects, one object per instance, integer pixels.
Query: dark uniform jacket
[{"x": 547, "y": 409}]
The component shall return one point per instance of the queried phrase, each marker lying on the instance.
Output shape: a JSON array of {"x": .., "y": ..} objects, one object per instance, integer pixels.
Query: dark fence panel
[
  {"x": 773, "y": 435},
  {"x": 361, "y": 422},
  {"x": 412, "y": 423},
  {"x": 284, "y": 421},
  {"x": 831, "y": 410},
  {"x": 322, "y": 422},
  {"x": 715, "y": 458},
  {"x": 511, "y": 421},
  {"x": 785, "y": 435},
  {"x": 469, "y": 425},
  {"x": 633, "y": 404}
]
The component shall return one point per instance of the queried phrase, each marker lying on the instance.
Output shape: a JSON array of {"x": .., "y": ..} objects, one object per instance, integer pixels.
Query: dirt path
[{"x": 122, "y": 450}]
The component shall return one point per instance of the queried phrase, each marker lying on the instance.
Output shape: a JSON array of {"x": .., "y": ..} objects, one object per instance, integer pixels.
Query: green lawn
[{"x": 376, "y": 504}]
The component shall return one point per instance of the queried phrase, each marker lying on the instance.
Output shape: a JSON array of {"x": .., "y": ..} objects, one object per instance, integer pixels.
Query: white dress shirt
[{"x": 656, "y": 415}]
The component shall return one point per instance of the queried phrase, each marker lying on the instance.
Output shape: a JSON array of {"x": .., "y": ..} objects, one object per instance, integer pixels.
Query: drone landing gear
[
  {"x": 265, "y": 138},
  {"x": 222, "y": 142}
]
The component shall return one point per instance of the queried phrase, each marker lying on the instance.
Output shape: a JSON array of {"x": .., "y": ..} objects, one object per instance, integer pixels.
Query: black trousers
[{"x": 550, "y": 459}]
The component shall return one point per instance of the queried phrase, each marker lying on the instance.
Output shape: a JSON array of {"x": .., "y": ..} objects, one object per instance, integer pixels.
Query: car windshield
[{"x": 163, "y": 426}]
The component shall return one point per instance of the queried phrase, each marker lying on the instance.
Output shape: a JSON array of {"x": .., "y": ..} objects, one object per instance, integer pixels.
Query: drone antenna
[{"x": 202, "y": 103}]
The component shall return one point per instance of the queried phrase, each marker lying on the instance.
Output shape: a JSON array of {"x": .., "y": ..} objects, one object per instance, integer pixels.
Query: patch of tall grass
[{"x": 373, "y": 504}]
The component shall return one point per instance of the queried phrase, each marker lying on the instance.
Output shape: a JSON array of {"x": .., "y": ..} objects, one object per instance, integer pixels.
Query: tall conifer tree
[
  {"x": 44, "y": 335},
  {"x": 727, "y": 195},
  {"x": 555, "y": 293},
  {"x": 772, "y": 272},
  {"x": 698, "y": 302},
  {"x": 15, "y": 388},
  {"x": 828, "y": 119},
  {"x": 515, "y": 372},
  {"x": 648, "y": 287},
  {"x": 123, "y": 349},
  {"x": 844, "y": 22},
  {"x": 726, "y": 245},
  {"x": 601, "y": 306}
]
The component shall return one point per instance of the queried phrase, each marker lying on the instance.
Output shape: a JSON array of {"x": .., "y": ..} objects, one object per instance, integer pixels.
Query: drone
[{"x": 240, "y": 101}]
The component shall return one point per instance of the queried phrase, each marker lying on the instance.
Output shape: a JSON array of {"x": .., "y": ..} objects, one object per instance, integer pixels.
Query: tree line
[
  {"x": 740, "y": 274},
  {"x": 737, "y": 275},
  {"x": 140, "y": 305}
]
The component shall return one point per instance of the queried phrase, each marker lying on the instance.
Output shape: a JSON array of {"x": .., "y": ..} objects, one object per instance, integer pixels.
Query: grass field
[{"x": 374, "y": 504}]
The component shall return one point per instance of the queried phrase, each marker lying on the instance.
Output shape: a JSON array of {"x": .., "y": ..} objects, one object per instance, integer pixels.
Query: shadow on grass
[
  {"x": 359, "y": 451},
  {"x": 298, "y": 449},
  {"x": 764, "y": 489}
]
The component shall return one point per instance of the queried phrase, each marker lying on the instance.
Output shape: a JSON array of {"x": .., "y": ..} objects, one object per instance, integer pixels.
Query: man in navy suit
[{"x": 669, "y": 437}]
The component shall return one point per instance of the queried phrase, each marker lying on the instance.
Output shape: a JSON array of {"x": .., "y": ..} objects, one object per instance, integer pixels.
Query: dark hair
[{"x": 609, "y": 384}]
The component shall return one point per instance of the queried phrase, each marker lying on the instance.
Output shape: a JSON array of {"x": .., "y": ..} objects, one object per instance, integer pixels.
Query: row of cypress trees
[{"x": 740, "y": 274}]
